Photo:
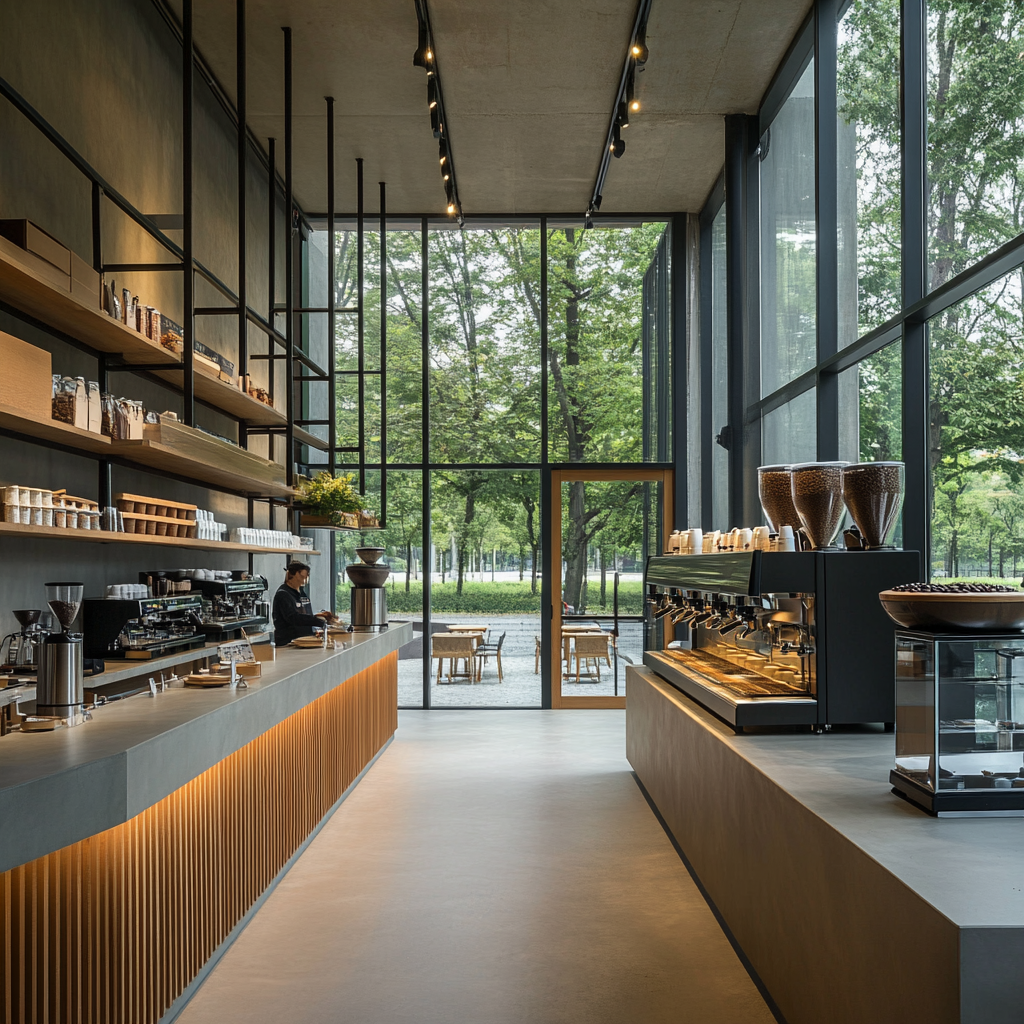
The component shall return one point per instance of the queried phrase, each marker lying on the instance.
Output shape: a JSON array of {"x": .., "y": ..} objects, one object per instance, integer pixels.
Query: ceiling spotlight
[
  {"x": 432, "y": 92},
  {"x": 442, "y": 153},
  {"x": 639, "y": 49},
  {"x": 451, "y": 209},
  {"x": 622, "y": 115},
  {"x": 632, "y": 103},
  {"x": 445, "y": 176},
  {"x": 423, "y": 55},
  {"x": 618, "y": 146}
]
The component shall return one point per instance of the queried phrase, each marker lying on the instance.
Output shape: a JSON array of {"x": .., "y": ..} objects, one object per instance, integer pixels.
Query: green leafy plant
[{"x": 329, "y": 496}]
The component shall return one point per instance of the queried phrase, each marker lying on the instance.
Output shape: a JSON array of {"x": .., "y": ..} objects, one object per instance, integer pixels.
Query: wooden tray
[
  {"x": 155, "y": 506},
  {"x": 158, "y": 526},
  {"x": 208, "y": 679}
]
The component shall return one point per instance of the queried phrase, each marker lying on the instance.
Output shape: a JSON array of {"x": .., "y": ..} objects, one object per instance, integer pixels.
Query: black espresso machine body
[{"x": 142, "y": 628}]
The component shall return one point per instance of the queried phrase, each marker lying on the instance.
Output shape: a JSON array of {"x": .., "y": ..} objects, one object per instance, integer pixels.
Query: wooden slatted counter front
[{"x": 216, "y": 792}]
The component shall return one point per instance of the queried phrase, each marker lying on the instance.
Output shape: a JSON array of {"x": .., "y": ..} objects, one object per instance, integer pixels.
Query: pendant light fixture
[
  {"x": 426, "y": 57},
  {"x": 625, "y": 106}
]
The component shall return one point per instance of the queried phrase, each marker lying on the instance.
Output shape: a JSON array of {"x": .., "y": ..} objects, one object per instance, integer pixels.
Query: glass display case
[{"x": 960, "y": 722}]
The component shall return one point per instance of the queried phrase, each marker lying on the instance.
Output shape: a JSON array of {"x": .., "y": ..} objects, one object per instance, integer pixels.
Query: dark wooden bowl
[{"x": 958, "y": 612}]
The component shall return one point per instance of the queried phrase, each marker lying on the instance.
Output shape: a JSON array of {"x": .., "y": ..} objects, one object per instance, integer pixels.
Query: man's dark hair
[{"x": 294, "y": 567}]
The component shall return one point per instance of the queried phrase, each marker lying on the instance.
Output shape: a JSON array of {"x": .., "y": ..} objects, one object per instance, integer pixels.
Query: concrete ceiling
[{"x": 528, "y": 86}]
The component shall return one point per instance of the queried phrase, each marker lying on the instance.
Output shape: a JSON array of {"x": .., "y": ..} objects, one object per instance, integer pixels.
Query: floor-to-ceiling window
[
  {"x": 886, "y": 178},
  {"x": 523, "y": 318}
]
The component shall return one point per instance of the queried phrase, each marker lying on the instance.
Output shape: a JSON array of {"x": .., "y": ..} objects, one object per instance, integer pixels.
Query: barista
[{"x": 293, "y": 614}]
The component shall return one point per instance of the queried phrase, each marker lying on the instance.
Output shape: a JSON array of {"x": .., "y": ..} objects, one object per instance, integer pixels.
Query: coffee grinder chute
[
  {"x": 23, "y": 648},
  {"x": 60, "y": 687}
]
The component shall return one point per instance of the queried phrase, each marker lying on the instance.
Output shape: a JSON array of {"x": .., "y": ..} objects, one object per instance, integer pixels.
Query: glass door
[{"x": 604, "y": 524}]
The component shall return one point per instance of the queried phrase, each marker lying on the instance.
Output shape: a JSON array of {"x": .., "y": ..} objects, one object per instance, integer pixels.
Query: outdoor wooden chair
[
  {"x": 485, "y": 650},
  {"x": 591, "y": 649},
  {"x": 454, "y": 649}
]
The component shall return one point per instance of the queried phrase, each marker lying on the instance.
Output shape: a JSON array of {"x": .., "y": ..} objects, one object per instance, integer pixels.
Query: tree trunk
[
  {"x": 604, "y": 577},
  {"x": 575, "y": 552},
  {"x": 534, "y": 555},
  {"x": 990, "y": 553},
  {"x": 408, "y": 565}
]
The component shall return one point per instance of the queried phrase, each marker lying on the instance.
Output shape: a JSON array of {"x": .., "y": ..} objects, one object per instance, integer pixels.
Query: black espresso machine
[
  {"x": 228, "y": 605},
  {"x": 144, "y": 627}
]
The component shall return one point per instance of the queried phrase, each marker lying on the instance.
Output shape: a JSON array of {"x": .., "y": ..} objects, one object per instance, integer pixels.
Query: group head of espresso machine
[{"x": 775, "y": 626}]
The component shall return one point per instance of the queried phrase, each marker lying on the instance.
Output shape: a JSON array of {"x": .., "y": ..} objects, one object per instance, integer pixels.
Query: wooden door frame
[{"x": 558, "y": 477}]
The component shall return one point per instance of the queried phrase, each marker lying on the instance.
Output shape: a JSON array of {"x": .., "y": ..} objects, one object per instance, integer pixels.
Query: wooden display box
[
  {"x": 35, "y": 240},
  {"x": 26, "y": 383},
  {"x": 85, "y": 283}
]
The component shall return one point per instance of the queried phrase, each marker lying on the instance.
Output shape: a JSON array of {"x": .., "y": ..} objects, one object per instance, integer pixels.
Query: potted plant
[{"x": 329, "y": 501}]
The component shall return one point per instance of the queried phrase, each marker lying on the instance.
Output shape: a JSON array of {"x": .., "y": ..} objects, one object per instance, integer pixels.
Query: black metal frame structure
[
  {"x": 669, "y": 321},
  {"x": 182, "y": 259},
  {"x": 817, "y": 40}
]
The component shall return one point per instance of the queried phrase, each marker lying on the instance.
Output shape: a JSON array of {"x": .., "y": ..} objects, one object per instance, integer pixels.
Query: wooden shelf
[
  {"x": 227, "y": 397},
  {"x": 174, "y": 448},
  {"x": 167, "y": 448},
  {"x": 106, "y": 537},
  {"x": 20, "y": 286},
  {"x": 305, "y": 437}
]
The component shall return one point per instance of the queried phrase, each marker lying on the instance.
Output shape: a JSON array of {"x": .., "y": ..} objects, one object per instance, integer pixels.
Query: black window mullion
[
  {"x": 826, "y": 223},
  {"x": 913, "y": 114}
]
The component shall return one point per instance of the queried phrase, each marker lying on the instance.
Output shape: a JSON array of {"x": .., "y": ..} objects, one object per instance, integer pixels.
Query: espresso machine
[
  {"x": 143, "y": 628},
  {"x": 23, "y": 648},
  {"x": 231, "y": 606},
  {"x": 60, "y": 689},
  {"x": 369, "y": 598},
  {"x": 777, "y": 638}
]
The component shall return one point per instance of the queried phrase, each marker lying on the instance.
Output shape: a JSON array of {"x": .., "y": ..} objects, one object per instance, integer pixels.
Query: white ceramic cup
[{"x": 696, "y": 540}]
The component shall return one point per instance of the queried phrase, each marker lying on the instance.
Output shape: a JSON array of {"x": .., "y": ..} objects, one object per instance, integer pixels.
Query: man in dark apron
[{"x": 293, "y": 614}]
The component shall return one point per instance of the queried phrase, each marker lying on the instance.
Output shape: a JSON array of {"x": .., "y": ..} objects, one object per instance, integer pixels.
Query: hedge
[{"x": 492, "y": 598}]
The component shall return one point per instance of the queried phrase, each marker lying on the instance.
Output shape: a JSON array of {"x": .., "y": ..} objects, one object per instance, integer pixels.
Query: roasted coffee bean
[
  {"x": 873, "y": 492},
  {"x": 954, "y": 588},
  {"x": 818, "y": 497},
  {"x": 775, "y": 489}
]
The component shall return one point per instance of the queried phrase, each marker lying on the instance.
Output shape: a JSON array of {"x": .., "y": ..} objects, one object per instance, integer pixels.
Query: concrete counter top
[{"x": 61, "y": 787}]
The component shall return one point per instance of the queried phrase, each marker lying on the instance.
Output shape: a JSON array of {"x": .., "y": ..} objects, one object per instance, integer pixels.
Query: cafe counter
[{"x": 135, "y": 846}]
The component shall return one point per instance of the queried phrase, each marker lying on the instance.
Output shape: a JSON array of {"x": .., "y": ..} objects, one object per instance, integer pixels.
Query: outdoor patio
[{"x": 521, "y": 684}]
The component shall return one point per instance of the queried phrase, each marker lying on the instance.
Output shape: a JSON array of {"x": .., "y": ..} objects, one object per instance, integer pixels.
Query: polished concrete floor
[{"x": 492, "y": 867}]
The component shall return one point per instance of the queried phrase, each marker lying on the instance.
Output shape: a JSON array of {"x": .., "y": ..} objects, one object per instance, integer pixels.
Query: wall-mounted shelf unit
[
  {"x": 170, "y": 449},
  {"x": 227, "y": 397},
  {"x": 23, "y": 289},
  {"x": 106, "y": 537}
]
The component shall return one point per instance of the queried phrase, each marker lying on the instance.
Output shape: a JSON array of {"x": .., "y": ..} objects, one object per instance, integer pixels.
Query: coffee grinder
[
  {"x": 60, "y": 681},
  {"x": 23, "y": 648},
  {"x": 369, "y": 598}
]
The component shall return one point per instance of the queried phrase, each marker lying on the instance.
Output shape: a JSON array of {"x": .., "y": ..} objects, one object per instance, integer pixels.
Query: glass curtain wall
[
  {"x": 471, "y": 568},
  {"x": 595, "y": 351},
  {"x": 890, "y": 265}
]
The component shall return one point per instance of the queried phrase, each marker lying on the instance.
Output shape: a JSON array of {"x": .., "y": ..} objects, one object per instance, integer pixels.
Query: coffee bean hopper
[{"x": 60, "y": 681}]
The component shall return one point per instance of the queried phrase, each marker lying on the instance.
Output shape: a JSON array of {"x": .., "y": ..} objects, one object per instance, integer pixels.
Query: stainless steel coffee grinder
[
  {"x": 60, "y": 686},
  {"x": 369, "y": 598}
]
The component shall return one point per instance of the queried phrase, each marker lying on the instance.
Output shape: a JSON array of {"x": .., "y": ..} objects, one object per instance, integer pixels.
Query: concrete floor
[{"x": 492, "y": 867}]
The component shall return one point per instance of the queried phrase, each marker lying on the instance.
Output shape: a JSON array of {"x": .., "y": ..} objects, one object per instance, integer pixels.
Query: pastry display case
[
  {"x": 960, "y": 722},
  {"x": 777, "y": 638}
]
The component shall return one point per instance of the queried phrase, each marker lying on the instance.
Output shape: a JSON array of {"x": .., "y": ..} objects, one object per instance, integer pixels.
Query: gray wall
[{"x": 106, "y": 75}]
